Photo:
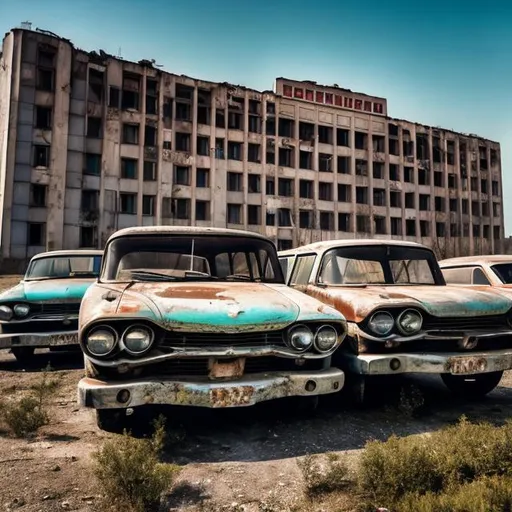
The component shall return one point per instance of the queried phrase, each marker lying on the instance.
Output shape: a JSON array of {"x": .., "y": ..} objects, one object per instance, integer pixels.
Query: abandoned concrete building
[{"x": 91, "y": 143}]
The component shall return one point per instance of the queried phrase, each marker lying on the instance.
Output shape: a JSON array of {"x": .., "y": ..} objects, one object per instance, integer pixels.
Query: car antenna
[{"x": 192, "y": 256}]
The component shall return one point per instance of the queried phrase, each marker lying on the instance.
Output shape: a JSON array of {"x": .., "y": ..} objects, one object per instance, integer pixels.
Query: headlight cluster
[
  {"x": 102, "y": 340},
  {"x": 302, "y": 338},
  {"x": 16, "y": 311},
  {"x": 408, "y": 322}
]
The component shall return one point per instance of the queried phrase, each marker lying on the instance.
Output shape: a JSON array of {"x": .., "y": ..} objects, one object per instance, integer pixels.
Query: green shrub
[{"x": 129, "y": 471}]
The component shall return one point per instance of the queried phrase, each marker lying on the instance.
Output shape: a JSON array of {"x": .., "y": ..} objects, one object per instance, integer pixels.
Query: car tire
[
  {"x": 23, "y": 354},
  {"x": 112, "y": 420},
  {"x": 472, "y": 386}
]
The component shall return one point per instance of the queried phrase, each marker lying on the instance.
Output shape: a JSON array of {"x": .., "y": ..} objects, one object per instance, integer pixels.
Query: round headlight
[
  {"x": 101, "y": 341},
  {"x": 21, "y": 310},
  {"x": 137, "y": 339},
  {"x": 300, "y": 337},
  {"x": 410, "y": 322},
  {"x": 5, "y": 313},
  {"x": 325, "y": 338},
  {"x": 381, "y": 323}
]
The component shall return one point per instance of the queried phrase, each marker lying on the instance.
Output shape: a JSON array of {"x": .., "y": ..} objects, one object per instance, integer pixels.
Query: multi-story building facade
[{"x": 91, "y": 143}]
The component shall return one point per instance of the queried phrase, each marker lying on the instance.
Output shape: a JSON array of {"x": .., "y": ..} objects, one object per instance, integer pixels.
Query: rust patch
[
  {"x": 466, "y": 365},
  {"x": 222, "y": 369},
  {"x": 228, "y": 397},
  {"x": 129, "y": 308},
  {"x": 194, "y": 292}
]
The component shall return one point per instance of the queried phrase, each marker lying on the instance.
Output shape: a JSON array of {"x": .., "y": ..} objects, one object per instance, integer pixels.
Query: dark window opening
[
  {"x": 36, "y": 234},
  {"x": 254, "y": 183},
  {"x": 181, "y": 209},
  {"x": 183, "y": 142},
  {"x": 92, "y": 164},
  {"x": 325, "y": 162},
  {"x": 395, "y": 199},
  {"x": 41, "y": 156},
  {"x": 361, "y": 140},
  {"x": 305, "y": 160},
  {"x": 379, "y": 197},
  {"x": 38, "y": 195},
  {"x": 284, "y": 217},
  {"x": 43, "y": 118},
  {"x": 130, "y": 134},
  {"x": 342, "y": 137},
  {"x": 344, "y": 222},
  {"x": 219, "y": 149},
  {"x": 254, "y": 153},
  {"x": 379, "y": 144},
  {"x": 380, "y": 225},
  {"x": 96, "y": 86},
  {"x": 285, "y": 187},
  {"x": 129, "y": 168},
  {"x": 286, "y": 157},
  {"x": 306, "y": 219},
  {"x": 306, "y": 131},
  {"x": 361, "y": 168},
  {"x": 149, "y": 171},
  {"x": 235, "y": 181},
  {"x": 234, "y": 213},
  {"x": 344, "y": 165},
  {"x": 203, "y": 145},
  {"x": 325, "y": 134},
  {"x": 94, "y": 127},
  {"x": 181, "y": 175},
  {"x": 131, "y": 91},
  {"x": 183, "y": 111},
  {"x": 150, "y": 136},
  {"x": 253, "y": 215},
  {"x": 378, "y": 170},
  {"x": 327, "y": 221},
  {"x": 148, "y": 205},
  {"x": 235, "y": 151},
  {"x": 306, "y": 189},
  {"x": 220, "y": 119},
  {"x": 128, "y": 203},
  {"x": 202, "y": 210},
  {"x": 202, "y": 178},
  {"x": 362, "y": 195},
  {"x": 325, "y": 191},
  {"x": 114, "y": 97},
  {"x": 286, "y": 128}
]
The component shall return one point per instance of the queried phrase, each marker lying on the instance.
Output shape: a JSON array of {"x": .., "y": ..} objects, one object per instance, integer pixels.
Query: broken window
[
  {"x": 128, "y": 203},
  {"x": 149, "y": 136},
  {"x": 395, "y": 199},
  {"x": 253, "y": 215},
  {"x": 270, "y": 126},
  {"x": 378, "y": 170},
  {"x": 379, "y": 144},
  {"x": 361, "y": 140},
  {"x": 475, "y": 208},
  {"x": 114, "y": 95},
  {"x": 151, "y": 96},
  {"x": 407, "y": 145},
  {"x": 235, "y": 181},
  {"x": 92, "y": 164},
  {"x": 183, "y": 142},
  {"x": 306, "y": 131},
  {"x": 424, "y": 228},
  {"x": 271, "y": 107},
  {"x": 394, "y": 172},
  {"x": 410, "y": 201},
  {"x": 41, "y": 156},
  {"x": 495, "y": 188},
  {"x": 361, "y": 168},
  {"x": 202, "y": 210},
  {"x": 394, "y": 148},
  {"x": 424, "y": 202},
  {"x": 452, "y": 181},
  {"x": 423, "y": 177},
  {"x": 422, "y": 149},
  {"x": 438, "y": 179},
  {"x": 494, "y": 157},
  {"x": 396, "y": 226},
  {"x": 465, "y": 206},
  {"x": 325, "y": 134},
  {"x": 325, "y": 191},
  {"x": 286, "y": 157},
  {"x": 327, "y": 221},
  {"x": 286, "y": 128},
  {"x": 344, "y": 193},
  {"x": 94, "y": 127},
  {"x": 202, "y": 178},
  {"x": 362, "y": 195},
  {"x": 219, "y": 149},
  {"x": 36, "y": 232},
  {"x": 305, "y": 160},
  {"x": 203, "y": 145},
  {"x": 410, "y": 227},
  {"x": 96, "y": 86},
  {"x": 284, "y": 217},
  {"x": 220, "y": 119},
  {"x": 306, "y": 219},
  {"x": 131, "y": 91},
  {"x": 450, "y": 155},
  {"x": 485, "y": 209},
  {"x": 88, "y": 236},
  {"x": 270, "y": 156},
  {"x": 234, "y": 213},
  {"x": 362, "y": 223},
  {"x": 254, "y": 183},
  {"x": 483, "y": 186},
  {"x": 379, "y": 197},
  {"x": 437, "y": 150},
  {"x": 38, "y": 195},
  {"x": 409, "y": 174},
  {"x": 496, "y": 232},
  {"x": 439, "y": 204},
  {"x": 380, "y": 225},
  {"x": 204, "y": 105},
  {"x": 129, "y": 168},
  {"x": 43, "y": 118},
  {"x": 306, "y": 189},
  {"x": 344, "y": 165},
  {"x": 392, "y": 130},
  {"x": 149, "y": 171},
  {"x": 284, "y": 245},
  {"x": 253, "y": 153},
  {"x": 453, "y": 205},
  {"x": 325, "y": 162},
  {"x": 184, "y": 96},
  {"x": 181, "y": 175},
  {"x": 270, "y": 186},
  {"x": 344, "y": 222},
  {"x": 45, "y": 80},
  {"x": 440, "y": 229},
  {"x": 342, "y": 137},
  {"x": 285, "y": 187},
  {"x": 235, "y": 150},
  {"x": 130, "y": 133}
]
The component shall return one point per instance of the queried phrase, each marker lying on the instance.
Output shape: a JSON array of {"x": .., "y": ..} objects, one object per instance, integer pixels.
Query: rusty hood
[
  {"x": 207, "y": 306},
  {"x": 441, "y": 301}
]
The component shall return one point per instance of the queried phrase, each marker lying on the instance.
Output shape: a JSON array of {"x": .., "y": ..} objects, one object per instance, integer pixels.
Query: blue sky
[{"x": 441, "y": 63}]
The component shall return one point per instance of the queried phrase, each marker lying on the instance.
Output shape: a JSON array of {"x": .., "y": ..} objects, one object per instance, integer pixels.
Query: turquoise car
[
  {"x": 42, "y": 310},
  {"x": 200, "y": 317}
]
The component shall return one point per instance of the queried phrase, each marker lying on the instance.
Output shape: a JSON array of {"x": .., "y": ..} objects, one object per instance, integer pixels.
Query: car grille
[
  {"x": 36, "y": 326},
  {"x": 51, "y": 309},
  {"x": 212, "y": 340},
  {"x": 458, "y": 324}
]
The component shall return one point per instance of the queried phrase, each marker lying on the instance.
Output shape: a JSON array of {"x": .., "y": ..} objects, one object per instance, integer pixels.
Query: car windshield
[
  {"x": 504, "y": 272},
  {"x": 64, "y": 267},
  {"x": 379, "y": 264},
  {"x": 187, "y": 258}
]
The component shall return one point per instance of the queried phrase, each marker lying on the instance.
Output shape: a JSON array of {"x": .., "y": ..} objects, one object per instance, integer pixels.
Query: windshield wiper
[
  {"x": 151, "y": 276},
  {"x": 241, "y": 277},
  {"x": 197, "y": 273}
]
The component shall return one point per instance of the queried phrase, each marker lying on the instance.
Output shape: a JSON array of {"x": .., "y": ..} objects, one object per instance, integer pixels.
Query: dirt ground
[{"x": 229, "y": 457}]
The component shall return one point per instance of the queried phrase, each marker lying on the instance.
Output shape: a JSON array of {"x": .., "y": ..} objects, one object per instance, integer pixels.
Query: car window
[
  {"x": 479, "y": 277},
  {"x": 504, "y": 272},
  {"x": 302, "y": 269},
  {"x": 286, "y": 267},
  {"x": 459, "y": 275},
  {"x": 64, "y": 267}
]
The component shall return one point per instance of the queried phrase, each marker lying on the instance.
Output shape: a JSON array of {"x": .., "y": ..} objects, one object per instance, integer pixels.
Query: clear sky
[{"x": 441, "y": 63}]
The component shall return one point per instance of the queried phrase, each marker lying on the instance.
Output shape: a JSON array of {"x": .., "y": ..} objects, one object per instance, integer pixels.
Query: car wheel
[
  {"x": 472, "y": 386},
  {"x": 112, "y": 420},
  {"x": 23, "y": 354}
]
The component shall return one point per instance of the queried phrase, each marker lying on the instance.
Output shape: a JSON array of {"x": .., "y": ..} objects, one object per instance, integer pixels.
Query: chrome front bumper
[
  {"x": 245, "y": 391},
  {"x": 42, "y": 340},
  {"x": 456, "y": 363}
]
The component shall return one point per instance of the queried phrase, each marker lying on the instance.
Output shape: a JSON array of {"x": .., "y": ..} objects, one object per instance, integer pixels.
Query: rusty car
[
  {"x": 402, "y": 316},
  {"x": 486, "y": 270},
  {"x": 42, "y": 310},
  {"x": 201, "y": 317}
]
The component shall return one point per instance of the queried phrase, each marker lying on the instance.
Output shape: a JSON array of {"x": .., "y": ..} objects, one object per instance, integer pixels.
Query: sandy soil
[{"x": 228, "y": 457}]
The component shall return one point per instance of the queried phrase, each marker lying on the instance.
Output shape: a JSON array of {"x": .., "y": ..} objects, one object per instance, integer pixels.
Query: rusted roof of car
[
  {"x": 484, "y": 259},
  {"x": 331, "y": 244},
  {"x": 69, "y": 252},
  {"x": 183, "y": 230}
]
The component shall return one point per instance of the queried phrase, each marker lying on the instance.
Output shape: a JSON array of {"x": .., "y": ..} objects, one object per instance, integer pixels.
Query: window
[
  {"x": 235, "y": 150},
  {"x": 342, "y": 137},
  {"x": 254, "y": 183},
  {"x": 270, "y": 186},
  {"x": 380, "y": 225},
  {"x": 325, "y": 191},
  {"x": 94, "y": 127},
  {"x": 43, "y": 118},
  {"x": 326, "y": 221},
  {"x": 253, "y": 215},
  {"x": 325, "y": 134},
  {"x": 149, "y": 171},
  {"x": 96, "y": 85},
  {"x": 424, "y": 228},
  {"x": 131, "y": 90},
  {"x": 363, "y": 223},
  {"x": 202, "y": 210},
  {"x": 361, "y": 140},
  {"x": 285, "y": 187},
  {"x": 284, "y": 217},
  {"x": 41, "y": 156},
  {"x": 128, "y": 203},
  {"x": 306, "y": 219},
  {"x": 344, "y": 193},
  {"x": 38, "y": 195},
  {"x": 235, "y": 181},
  {"x": 325, "y": 162},
  {"x": 286, "y": 128},
  {"x": 378, "y": 170},
  {"x": 379, "y": 197},
  {"x": 45, "y": 80},
  {"x": 284, "y": 245},
  {"x": 151, "y": 96},
  {"x": 305, "y": 160},
  {"x": 344, "y": 165},
  {"x": 219, "y": 149},
  {"x": 234, "y": 213},
  {"x": 90, "y": 200},
  {"x": 202, "y": 178},
  {"x": 92, "y": 164},
  {"x": 149, "y": 136},
  {"x": 395, "y": 199},
  {"x": 306, "y": 189},
  {"x": 286, "y": 157},
  {"x": 36, "y": 233},
  {"x": 183, "y": 111},
  {"x": 344, "y": 222},
  {"x": 362, "y": 195},
  {"x": 114, "y": 95},
  {"x": 181, "y": 175},
  {"x": 302, "y": 269},
  {"x": 183, "y": 142},
  {"x": 253, "y": 154},
  {"x": 270, "y": 219},
  {"x": 129, "y": 168},
  {"x": 480, "y": 278},
  {"x": 130, "y": 133},
  {"x": 88, "y": 236},
  {"x": 396, "y": 226},
  {"x": 182, "y": 209},
  {"x": 203, "y": 146}
]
